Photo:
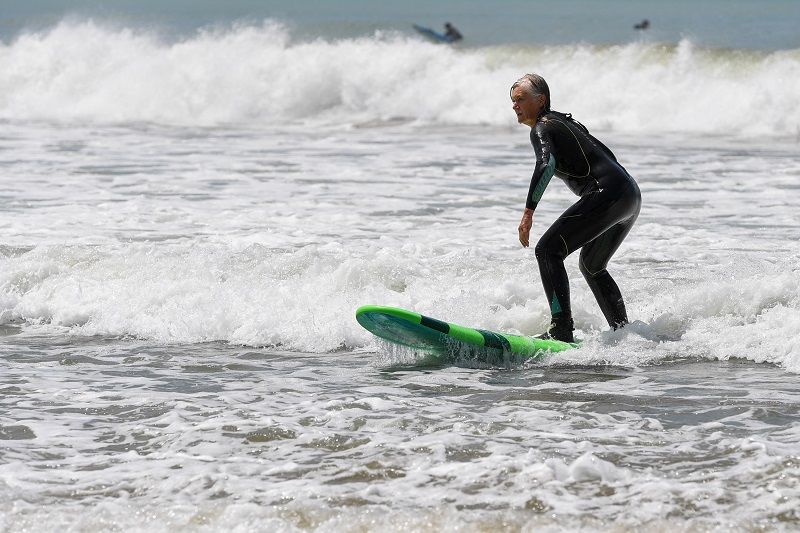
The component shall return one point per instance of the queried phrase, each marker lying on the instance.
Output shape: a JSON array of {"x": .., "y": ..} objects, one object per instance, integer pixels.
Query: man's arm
[
  {"x": 545, "y": 165},
  {"x": 545, "y": 168}
]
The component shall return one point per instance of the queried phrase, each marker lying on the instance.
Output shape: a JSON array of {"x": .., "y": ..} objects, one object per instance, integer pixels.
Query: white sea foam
[
  {"x": 304, "y": 301},
  {"x": 125, "y": 247},
  {"x": 86, "y": 71},
  {"x": 291, "y": 441},
  {"x": 274, "y": 237}
]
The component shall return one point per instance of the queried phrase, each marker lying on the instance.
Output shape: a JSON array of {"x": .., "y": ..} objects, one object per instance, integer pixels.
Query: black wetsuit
[{"x": 597, "y": 223}]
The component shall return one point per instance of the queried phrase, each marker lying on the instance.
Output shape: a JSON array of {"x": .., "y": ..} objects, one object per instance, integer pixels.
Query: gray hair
[{"x": 536, "y": 85}]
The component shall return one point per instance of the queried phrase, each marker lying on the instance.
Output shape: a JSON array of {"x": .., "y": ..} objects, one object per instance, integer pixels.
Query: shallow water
[
  {"x": 146, "y": 436},
  {"x": 185, "y": 239},
  {"x": 180, "y": 352}
]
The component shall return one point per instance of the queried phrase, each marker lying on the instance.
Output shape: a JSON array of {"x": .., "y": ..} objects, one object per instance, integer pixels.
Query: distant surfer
[
  {"x": 451, "y": 34},
  {"x": 597, "y": 223},
  {"x": 643, "y": 25}
]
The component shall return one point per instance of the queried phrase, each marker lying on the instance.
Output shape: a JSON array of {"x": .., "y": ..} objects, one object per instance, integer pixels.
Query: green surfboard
[{"x": 446, "y": 340}]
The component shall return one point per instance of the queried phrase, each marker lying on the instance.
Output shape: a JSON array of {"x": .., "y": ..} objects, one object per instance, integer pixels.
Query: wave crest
[{"x": 85, "y": 71}]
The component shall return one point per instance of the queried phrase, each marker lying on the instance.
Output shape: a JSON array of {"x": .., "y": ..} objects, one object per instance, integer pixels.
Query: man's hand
[{"x": 525, "y": 226}]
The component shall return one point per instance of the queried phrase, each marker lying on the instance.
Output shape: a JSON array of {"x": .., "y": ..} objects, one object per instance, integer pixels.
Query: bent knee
[
  {"x": 590, "y": 270},
  {"x": 553, "y": 248}
]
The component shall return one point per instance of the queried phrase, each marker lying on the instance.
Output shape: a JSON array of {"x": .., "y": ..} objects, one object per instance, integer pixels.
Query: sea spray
[{"x": 79, "y": 71}]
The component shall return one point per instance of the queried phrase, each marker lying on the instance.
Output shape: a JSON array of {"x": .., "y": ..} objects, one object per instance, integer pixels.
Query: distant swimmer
[
  {"x": 451, "y": 33},
  {"x": 643, "y": 25},
  {"x": 597, "y": 223}
]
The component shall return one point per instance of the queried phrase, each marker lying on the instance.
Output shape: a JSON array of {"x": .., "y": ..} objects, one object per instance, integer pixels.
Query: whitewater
[
  {"x": 189, "y": 223},
  {"x": 89, "y": 72}
]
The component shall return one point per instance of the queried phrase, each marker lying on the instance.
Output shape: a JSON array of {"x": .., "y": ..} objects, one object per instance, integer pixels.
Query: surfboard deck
[
  {"x": 447, "y": 340},
  {"x": 432, "y": 35}
]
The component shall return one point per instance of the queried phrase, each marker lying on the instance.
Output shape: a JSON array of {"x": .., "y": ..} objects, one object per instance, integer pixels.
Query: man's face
[{"x": 526, "y": 105}]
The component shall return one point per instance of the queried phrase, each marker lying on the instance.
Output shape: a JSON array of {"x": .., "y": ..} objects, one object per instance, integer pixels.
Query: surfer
[
  {"x": 597, "y": 223},
  {"x": 451, "y": 34}
]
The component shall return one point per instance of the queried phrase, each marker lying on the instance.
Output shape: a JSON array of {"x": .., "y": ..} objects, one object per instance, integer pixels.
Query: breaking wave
[{"x": 84, "y": 71}]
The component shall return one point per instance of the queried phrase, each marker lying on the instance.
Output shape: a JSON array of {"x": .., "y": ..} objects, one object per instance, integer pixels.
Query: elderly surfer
[{"x": 597, "y": 223}]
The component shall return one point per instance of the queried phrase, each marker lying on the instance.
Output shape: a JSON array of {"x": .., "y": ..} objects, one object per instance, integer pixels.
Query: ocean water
[{"x": 194, "y": 199}]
